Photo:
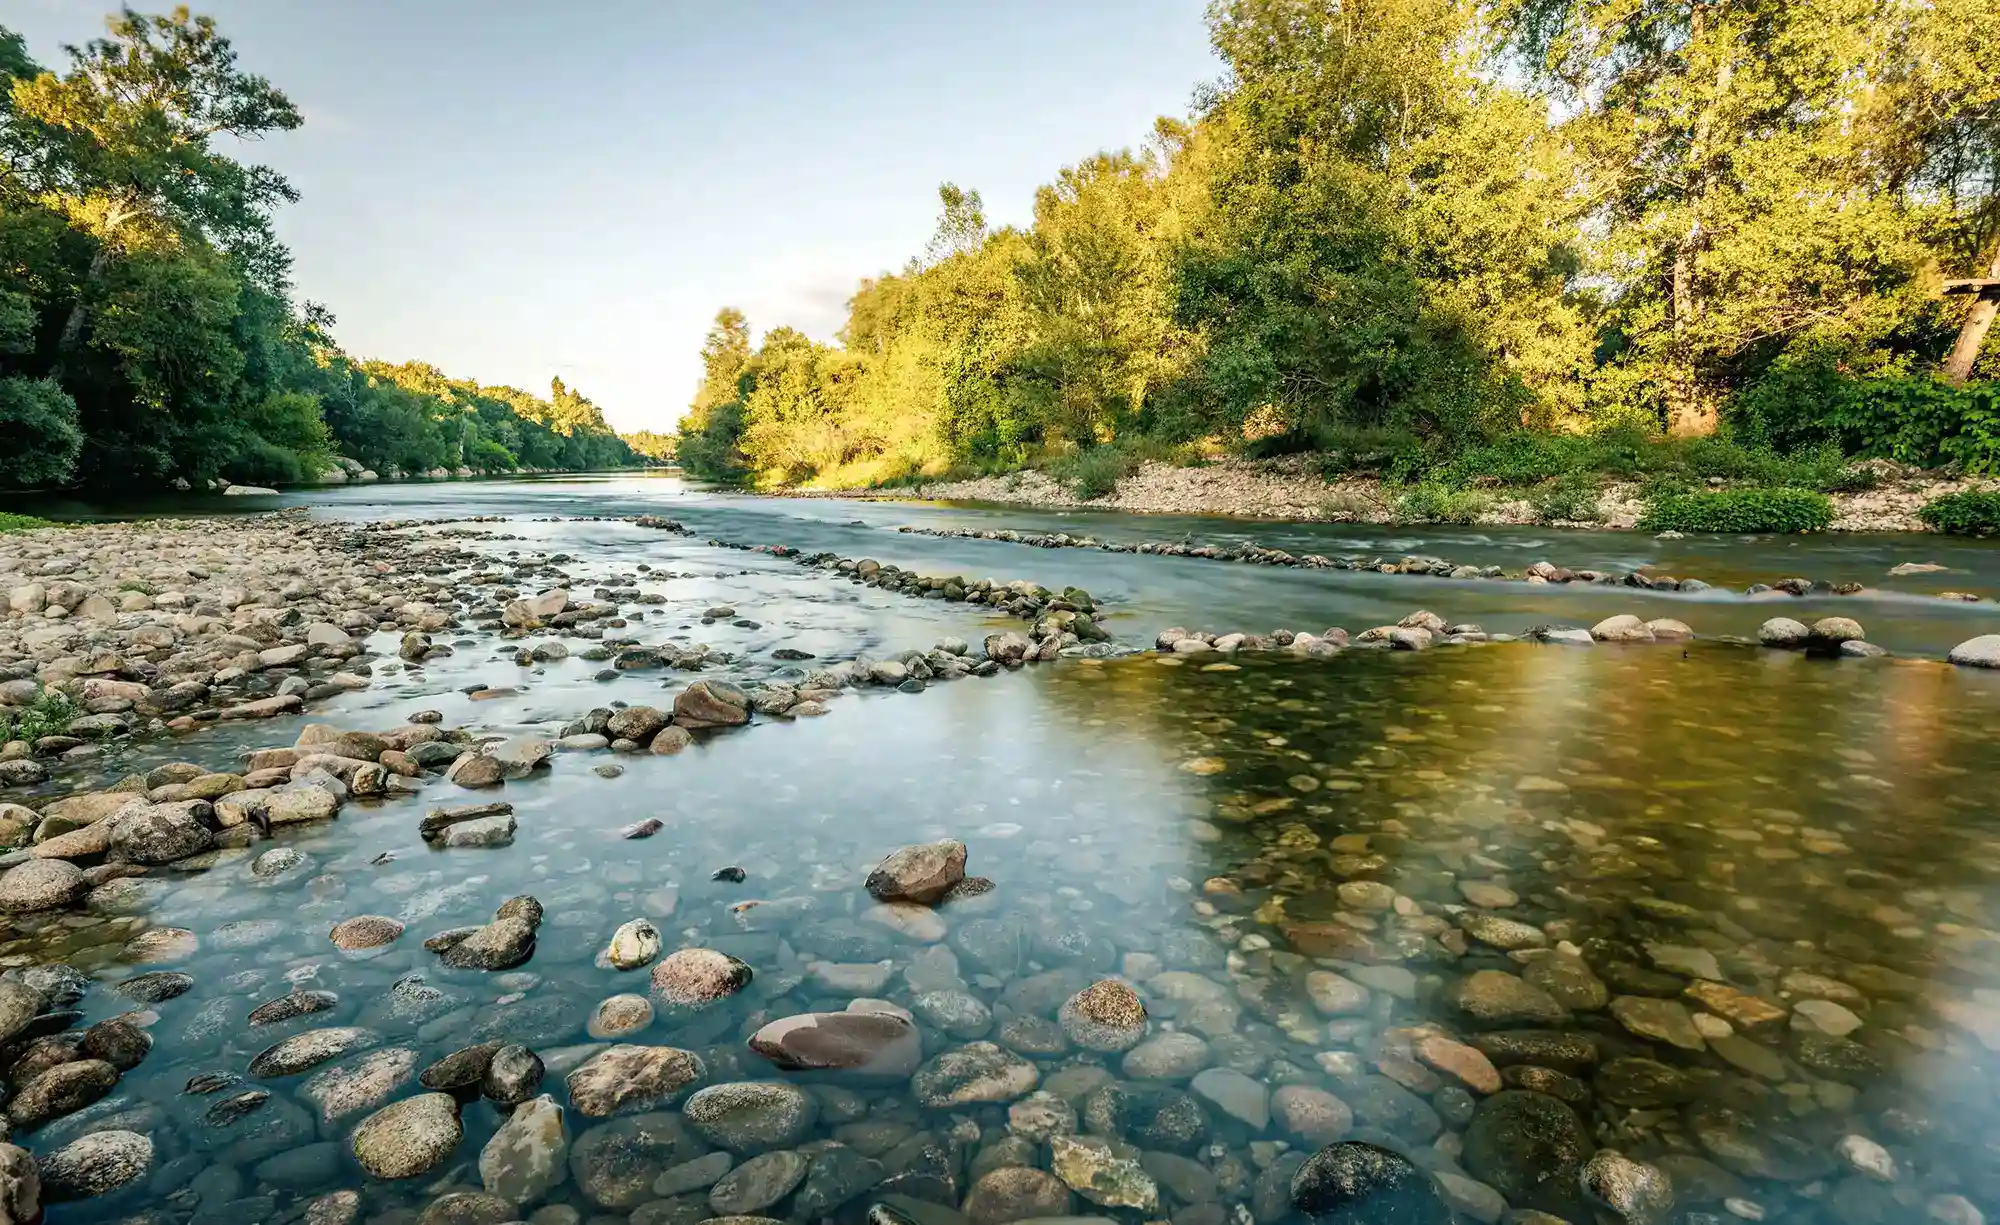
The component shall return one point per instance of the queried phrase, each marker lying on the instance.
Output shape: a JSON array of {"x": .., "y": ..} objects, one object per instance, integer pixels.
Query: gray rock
[
  {"x": 1632, "y": 1191},
  {"x": 295, "y": 1054},
  {"x": 614, "y": 1164},
  {"x": 978, "y": 1072},
  {"x": 923, "y": 873},
  {"x": 751, "y": 1116},
  {"x": 62, "y": 1089},
  {"x": 1176, "y": 1055},
  {"x": 96, "y": 1164},
  {"x": 20, "y": 1186},
  {"x": 759, "y": 1183},
  {"x": 1352, "y": 1183},
  {"x": 693, "y": 979},
  {"x": 511, "y": 1076},
  {"x": 1783, "y": 632},
  {"x": 40, "y": 884},
  {"x": 1531, "y": 1147},
  {"x": 1980, "y": 652},
  {"x": 409, "y": 1137},
  {"x": 1236, "y": 1095},
  {"x": 697, "y": 1175},
  {"x": 630, "y": 1079},
  {"x": 529, "y": 1154}
]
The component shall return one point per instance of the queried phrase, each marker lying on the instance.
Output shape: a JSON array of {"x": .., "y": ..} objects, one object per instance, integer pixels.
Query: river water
[{"x": 1752, "y": 893}]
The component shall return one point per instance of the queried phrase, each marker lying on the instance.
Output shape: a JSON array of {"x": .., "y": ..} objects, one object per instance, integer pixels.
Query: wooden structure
[{"x": 1985, "y": 294}]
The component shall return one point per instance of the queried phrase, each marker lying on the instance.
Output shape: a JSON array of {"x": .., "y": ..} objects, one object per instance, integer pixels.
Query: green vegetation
[
  {"x": 10, "y": 522},
  {"x": 48, "y": 715},
  {"x": 1455, "y": 245},
  {"x": 148, "y": 331},
  {"x": 1739, "y": 510},
  {"x": 1963, "y": 514},
  {"x": 1435, "y": 503}
]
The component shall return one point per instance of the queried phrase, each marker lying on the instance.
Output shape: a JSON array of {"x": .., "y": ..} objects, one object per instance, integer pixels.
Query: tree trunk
[
  {"x": 72, "y": 331},
  {"x": 1972, "y": 334}
]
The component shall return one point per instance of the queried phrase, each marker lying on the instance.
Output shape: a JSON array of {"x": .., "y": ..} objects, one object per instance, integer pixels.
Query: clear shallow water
[{"x": 1818, "y": 829}]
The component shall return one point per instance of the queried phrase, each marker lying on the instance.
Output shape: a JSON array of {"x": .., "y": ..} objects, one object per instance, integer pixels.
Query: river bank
[{"x": 1288, "y": 489}]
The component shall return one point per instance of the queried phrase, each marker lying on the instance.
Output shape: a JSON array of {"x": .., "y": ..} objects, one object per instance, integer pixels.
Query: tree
[
  {"x": 961, "y": 227},
  {"x": 124, "y": 143}
]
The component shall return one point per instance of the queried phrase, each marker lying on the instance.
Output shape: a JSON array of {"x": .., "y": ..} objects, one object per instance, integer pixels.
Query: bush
[
  {"x": 1568, "y": 499},
  {"x": 1094, "y": 473},
  {"x": 1740, "y": 510},
  {"x": 21, "y": 523},
  {"x": 40, "y": 435},
  {"x": 1963, "y": 514},
  {"x": 1913, "y": 419},
  {"x": 48, "y": 715},
  {"x": 1433, "y": 503}
]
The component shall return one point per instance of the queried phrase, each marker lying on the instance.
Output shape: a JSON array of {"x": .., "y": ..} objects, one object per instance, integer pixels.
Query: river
[{"x": 1729, "y": 912}]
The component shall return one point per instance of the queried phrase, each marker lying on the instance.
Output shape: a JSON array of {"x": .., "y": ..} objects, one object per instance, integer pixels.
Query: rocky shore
[
  {"x": 1429, "y": 567},
  {"x": 1288, "y": 488},
  {"x": 1408, "y": 1016}
]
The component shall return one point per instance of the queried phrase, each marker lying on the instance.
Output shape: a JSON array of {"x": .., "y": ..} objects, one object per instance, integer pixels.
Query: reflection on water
[{"x": 1728, "y": 912}]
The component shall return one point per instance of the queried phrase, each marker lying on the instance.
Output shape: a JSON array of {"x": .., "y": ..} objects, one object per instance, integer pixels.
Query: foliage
[
  {"x": 48, "y": 715},
  {"x": 147, "y": 328},
  {"x": 1570, "y": 498},
  {"x": 10, "y": 522},
  {"x": 1914, "y": 419},
  {"x": 1449, "y": 243},
  {"x": 1093, "y": 472},
  {"x": 1434, "y": 503},
  {"x": 1963, "y": 514},
  {"x": 1739, "y": 510},
  {"x": 39, "y": 435}
]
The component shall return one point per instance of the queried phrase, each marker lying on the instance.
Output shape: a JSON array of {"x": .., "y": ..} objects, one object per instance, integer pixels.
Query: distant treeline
[
  {"x": 148, "y": 331},
  {"x": 1413, "y": 227}
]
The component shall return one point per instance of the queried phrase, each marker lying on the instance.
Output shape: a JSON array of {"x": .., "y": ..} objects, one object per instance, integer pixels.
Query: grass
[{"x": 10, "y": 522}]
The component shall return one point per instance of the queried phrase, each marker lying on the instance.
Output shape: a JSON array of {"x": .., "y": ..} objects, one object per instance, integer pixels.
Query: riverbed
[{"x": 1724, "y": 911}]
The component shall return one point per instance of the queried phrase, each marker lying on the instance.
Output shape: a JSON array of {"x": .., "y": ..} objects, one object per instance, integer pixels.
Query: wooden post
[{"x": 1979, "y": 316}]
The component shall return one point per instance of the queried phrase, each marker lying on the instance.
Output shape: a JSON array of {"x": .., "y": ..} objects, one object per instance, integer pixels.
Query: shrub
[
  {"x": 1740, "y": 510},
  {"x": 1434, "y": 503},
  {"x": 40, "y": 434},
  {"x": 1914, "y": 419},
  {"x": 1569, "y": 499},
  {"x": 1963, "y": 514},
  {"x": 21, "y": 523},
  {"x": 1094, "y": 473},
  {"x": 48, "y": 715}
]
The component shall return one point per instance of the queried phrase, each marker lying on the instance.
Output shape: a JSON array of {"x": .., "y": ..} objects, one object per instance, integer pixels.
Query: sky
[{"x": 512, "y": 190}]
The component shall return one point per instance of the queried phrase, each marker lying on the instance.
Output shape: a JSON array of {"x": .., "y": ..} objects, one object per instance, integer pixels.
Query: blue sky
[{"x": 512, "y": 190}]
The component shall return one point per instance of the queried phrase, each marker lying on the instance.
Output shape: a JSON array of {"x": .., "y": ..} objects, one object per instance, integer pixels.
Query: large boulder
[
  {"x": 161, "y": 833},
  {"x": 690, "y": 979},
  {"x": 1352, "y": 1183},
  {"x": 876, "y": 1043},
  {"x": 711, "y": 704},
  {"x": 1980, "y": 652},
  {"x": 1784, "y": 633},
  {"x": 628, "y": 1079},
  {"x": 96, "y": 1164},
  {"x": 41, "y": 884},
  {"x": 1531, "y": 1148},
  {"x": 528, "y": 1156},
  {"x": 921, "y": 873},
  {"x": 751, "y": 1116},
  {"x": 409, "y": 1137}
]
